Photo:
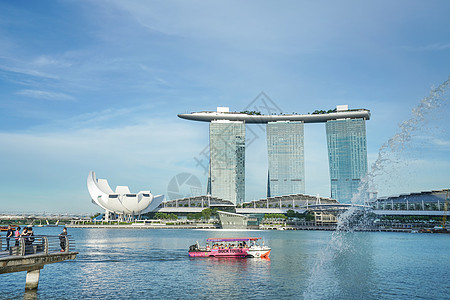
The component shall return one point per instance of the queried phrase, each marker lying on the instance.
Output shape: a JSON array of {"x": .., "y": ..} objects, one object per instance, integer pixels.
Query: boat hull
[
  {"x": 231, "y": 247},
  {"x": 238, "y": 252},
  {"x": 261, "y": 253}
]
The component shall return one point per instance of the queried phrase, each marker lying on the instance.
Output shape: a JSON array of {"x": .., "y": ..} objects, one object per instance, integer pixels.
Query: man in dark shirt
[
  {"x": 9, "y": 234},
  {"x": 62, "y": 239}
]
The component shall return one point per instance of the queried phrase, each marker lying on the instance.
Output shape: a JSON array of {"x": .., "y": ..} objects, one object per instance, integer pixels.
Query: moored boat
[
  {"x": 5, "y": 228},
  {"x": 231, "y": 247}
]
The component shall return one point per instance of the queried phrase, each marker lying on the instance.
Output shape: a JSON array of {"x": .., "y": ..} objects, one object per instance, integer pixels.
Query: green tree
[
  {"x": 194, "y": 216},
  {"x": 290, "y": 213},
  {"x": 161, "y": 216},
  {"x": 275, "y": 216},
  {"x": 206, "y": 213},
  {"x": 309, "y": 216},
  {"x": 172, "y": 217}
]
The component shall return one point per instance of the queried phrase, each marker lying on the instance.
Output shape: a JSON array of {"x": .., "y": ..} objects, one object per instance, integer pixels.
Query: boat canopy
[{"x": 233, "y": 239}]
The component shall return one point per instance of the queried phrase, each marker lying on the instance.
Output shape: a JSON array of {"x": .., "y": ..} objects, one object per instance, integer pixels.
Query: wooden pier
[{"x": 32, "y": 257}]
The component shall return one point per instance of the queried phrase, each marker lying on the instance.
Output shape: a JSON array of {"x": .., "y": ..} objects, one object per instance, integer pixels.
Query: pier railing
[{"x": 37, "y": 244}]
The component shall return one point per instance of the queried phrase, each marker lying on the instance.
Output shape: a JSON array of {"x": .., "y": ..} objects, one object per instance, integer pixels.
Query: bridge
[{"x": 31, "y": 254}]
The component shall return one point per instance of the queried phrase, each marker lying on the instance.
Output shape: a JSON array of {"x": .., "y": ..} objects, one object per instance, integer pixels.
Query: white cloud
[
  {"x": 45, "y": 60},
  {"x": 54, "y": 165},
  {"x": 195, "y": 55},
  {"x": 440, "y": 142},
  {"x": 293, "y": 27},
  {"x": 54, "y": 96},
  {"x": 25, "y": 71}
]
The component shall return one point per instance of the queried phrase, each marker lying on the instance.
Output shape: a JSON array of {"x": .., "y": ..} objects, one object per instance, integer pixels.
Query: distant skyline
[{"x": 97, "y": 85}]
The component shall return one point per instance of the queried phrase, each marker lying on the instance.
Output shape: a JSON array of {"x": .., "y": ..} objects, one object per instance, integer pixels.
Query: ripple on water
[{"x": 159, "y": 267}]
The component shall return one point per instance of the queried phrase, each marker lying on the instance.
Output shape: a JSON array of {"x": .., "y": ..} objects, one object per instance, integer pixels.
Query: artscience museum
[{"x": 120, "y": 204}]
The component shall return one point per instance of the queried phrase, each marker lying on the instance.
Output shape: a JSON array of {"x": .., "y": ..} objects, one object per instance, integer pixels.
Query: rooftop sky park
[{"x": 223, "y": 113}]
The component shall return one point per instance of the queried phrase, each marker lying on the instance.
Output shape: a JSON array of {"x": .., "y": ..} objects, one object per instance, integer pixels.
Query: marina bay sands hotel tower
[{"x": 347, "y": 151}]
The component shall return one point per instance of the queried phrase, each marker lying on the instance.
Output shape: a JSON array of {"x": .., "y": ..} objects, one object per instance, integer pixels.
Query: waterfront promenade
[
  {"x": 146, "y": 226},
  {"x": 332, "y": 228},
  {"x": 274, "y": 226}
]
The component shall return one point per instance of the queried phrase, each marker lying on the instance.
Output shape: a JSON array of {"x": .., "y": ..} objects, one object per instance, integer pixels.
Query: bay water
[{"x": 154, "y": 264}]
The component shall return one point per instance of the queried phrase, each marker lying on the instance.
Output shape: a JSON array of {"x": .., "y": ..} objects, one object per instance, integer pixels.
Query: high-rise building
[
  {"x": 227, "y": 160},
  {"x": 347, "y": 151},
  {"x": 347, "y": 156},
  {"x": 285, "y": 148}
]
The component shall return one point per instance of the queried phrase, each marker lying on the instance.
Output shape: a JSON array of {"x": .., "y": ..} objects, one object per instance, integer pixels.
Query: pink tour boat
[{"x": 231, "y": 247}]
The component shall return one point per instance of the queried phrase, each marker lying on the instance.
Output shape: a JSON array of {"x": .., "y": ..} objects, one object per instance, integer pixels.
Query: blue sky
[{"x": 96, "y": 85}]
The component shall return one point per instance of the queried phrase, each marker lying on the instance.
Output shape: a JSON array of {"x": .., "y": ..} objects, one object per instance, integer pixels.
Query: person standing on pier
[
  {"x": 24, "y": 232},
  {"x": 17, "y": 235},
  {"x": 9, "y": 234},
  {"x": 62, "y": 239},
  {"x": 29, "y": 239}
]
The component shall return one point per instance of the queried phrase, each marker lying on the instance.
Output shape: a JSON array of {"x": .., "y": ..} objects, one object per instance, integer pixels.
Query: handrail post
[
  {"x": 45, "y": 239},
  {"x": 67, "y": 244},
  {"x": 22, "y": 246}
]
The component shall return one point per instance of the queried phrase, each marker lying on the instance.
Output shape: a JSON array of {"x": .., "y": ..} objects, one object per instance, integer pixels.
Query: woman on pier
[{"x": 17, "y": 235}]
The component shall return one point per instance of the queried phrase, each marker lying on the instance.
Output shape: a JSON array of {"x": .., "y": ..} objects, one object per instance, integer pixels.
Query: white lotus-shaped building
[{"x": 121, "y": 202}]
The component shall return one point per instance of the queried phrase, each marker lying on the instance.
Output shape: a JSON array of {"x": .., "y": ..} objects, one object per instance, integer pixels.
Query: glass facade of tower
[
  {"x": 227, "y": 160},
  {"x": 285, "y": 146},
  {"x": 347, "y": 156}
]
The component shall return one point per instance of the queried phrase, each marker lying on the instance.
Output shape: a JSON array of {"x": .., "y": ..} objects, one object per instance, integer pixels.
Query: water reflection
[
  {"x": 225, "y": 277},
  {"x": 153, "y": 264},
  {"x": 30, "y": 295}
]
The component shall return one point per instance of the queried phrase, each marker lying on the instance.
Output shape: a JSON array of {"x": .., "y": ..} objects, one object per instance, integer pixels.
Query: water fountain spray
[
  {"x": 351, "y": 219},
  {"x": 344, "y": 242}
]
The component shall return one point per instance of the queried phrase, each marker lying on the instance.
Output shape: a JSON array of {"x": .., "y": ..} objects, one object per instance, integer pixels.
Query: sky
[{"x": 97, "y": 85}]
